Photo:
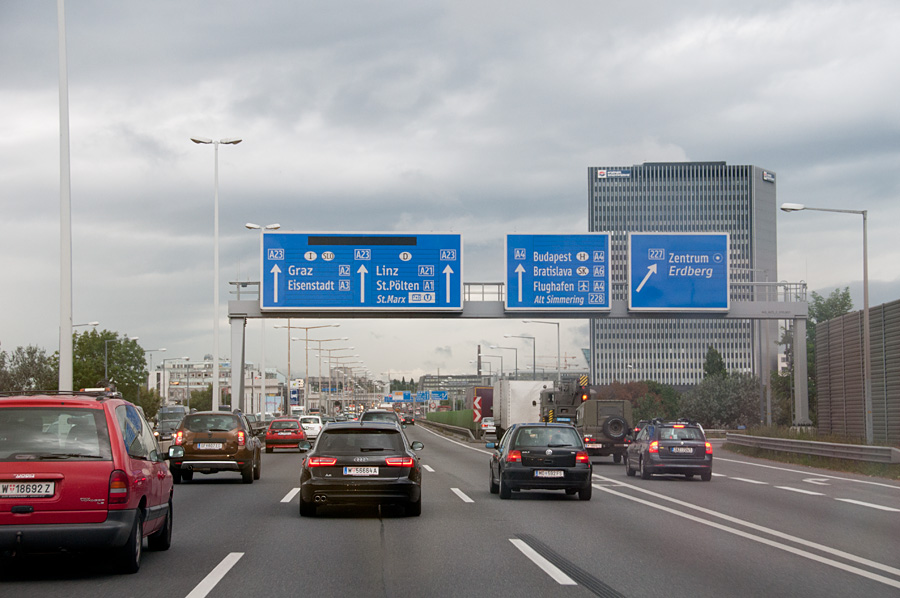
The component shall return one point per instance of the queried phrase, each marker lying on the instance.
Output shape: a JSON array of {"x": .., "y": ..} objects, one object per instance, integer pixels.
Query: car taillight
[
  {"x": 118, "y": 488},
  {"x": 654, "y": 447},
  {"x": 302, "y": 435},
  {"x": 179, "y": 437},
  {"x": 321, "y": 461},
  {"x": 582, "y": 457},
  {"x": 241, "y": 438},
  {"x": 514, "y": 457},
  {"x": 708, "y": 449},
  {"x": 399, "y": 461},
  {"x": 588, "y": 438}
]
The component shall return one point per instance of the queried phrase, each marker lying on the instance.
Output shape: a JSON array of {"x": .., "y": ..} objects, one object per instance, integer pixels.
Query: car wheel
[
  {"x": 617, "y": 458},
  {"x": 162, "y": 539},
  {"x": 706, "y": 476},
  {"x": 187, "y": 476},
  {"x": 586, "y": 492},
  {"x": 247, "y": 473},
  {"x": 176, "y": 476},
  {"x": 645, "y": 474},
  {"x": 127, "y": 559},
  {"x": 414, "y": 509},
  {"x": 504, "y": 489},
  {"x": 495, "y": 488},
  {"x": 257, "y": 471},
  {"x": 268, "y": 449},
  {"x": 307, "y": 509},
  {"x": 628, "y": 470}
]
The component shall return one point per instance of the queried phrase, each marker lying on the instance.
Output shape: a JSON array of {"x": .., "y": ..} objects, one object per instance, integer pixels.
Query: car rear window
[
  {"x": 285, "y": 425},
  {"x": 549, "y": 437},
  {"x": 310, "y": 420},
  {"x": 210, "y": 423},
  {"x": 359, "y": 441},
  {"x": 680, "y": 433},
  {"x": 35, "y": 433}
]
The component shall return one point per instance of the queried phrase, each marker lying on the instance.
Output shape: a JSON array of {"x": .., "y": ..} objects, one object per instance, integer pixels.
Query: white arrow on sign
[
  {"x": 519, "y": 270},
  {"x": 275, "y": 271},
  {"x": 362, "y": 283},
  {"x": 448, "y": 271},
  {"x": 650, "y": 270}
]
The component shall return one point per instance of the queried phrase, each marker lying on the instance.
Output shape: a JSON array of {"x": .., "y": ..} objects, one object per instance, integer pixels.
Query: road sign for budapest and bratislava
[
  {"x": 557, "y": 272},
  {"x": 678, "y": 272},
  {"x": 361, "y": 271}
]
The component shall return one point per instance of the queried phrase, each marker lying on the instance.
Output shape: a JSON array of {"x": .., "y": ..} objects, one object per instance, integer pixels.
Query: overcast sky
[{"x": 479, "y": 118}]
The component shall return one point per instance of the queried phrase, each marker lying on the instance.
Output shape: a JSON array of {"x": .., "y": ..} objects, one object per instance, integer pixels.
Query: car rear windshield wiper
[
  {"x": 367, "y": 449},
  {"x": 66, "y": 456},
  {"x": 557, "y": 445},
  {"x": 218, "y": 430}
]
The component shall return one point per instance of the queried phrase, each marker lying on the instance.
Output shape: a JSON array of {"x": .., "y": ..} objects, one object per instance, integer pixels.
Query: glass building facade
[{"x": 685, "y": 197}]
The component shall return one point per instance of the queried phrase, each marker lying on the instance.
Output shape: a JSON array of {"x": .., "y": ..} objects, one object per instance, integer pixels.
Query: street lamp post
[
  {"x": 228, "y": 141},
  {"x": 500, "y": 357},
  {"x": 533, "y": 352},
  {"x": 558, "y": 365},
  {"x": 165, "y": 371},
  {"x": 150, "y": 367},
  {"x": 517, "y": 356},
  {"x": 306, "y": 330},
  {"x": 87, "y": 324},
  {"x": 867, "y": 349},
  {"x": 320, "y": 341}
]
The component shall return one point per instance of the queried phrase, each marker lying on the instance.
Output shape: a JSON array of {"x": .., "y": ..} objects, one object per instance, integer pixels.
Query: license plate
[
  {"x": 26, "y": 489},
  {"x": 284, "y": 433},
  {"x": 593, "y": 446},
  {"x": 209, "y": 446},
  {"x": 549, "y": 473},
  {"x": 682, "y": 449},
  {"x": 360, "y": 471}
]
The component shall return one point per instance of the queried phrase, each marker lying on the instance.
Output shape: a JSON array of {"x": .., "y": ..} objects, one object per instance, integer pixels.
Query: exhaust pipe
[{"x": 321, "y": 498}]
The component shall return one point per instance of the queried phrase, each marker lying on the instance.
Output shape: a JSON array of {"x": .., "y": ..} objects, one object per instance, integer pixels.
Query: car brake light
[
  {"x": 321, "y": 461},
  {"x": 678, "y": 426},
  {"x": 179, "y": 437},
  {"x": 241, "y": 438},
  {"x": 118, "y": 488},
  {"x": 654, "y": 447},
  {"x": 399, "y": 461},
  {"x": 582, "y": 457},
  {"x": 514, "y": 457},
  {"x": 708, "y": 449}
]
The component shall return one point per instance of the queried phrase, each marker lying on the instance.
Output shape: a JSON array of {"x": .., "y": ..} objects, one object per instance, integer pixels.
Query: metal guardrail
[
  {"x": 448, "y": 428},
  {"x": 855, "y": 452}
]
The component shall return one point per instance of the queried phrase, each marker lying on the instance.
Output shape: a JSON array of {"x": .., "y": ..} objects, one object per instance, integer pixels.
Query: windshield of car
[
  {"x": 549, "y": 437},
  {"x": 285, "y": 425},
  {"x": 379, "y": 417},
  {"x": 210, "y": 423},
  {"x": 360, "y": 441},
  {"x": 53, "y": 433}
]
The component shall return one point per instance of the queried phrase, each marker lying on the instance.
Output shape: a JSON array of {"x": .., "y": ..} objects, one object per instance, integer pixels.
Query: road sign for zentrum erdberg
[
  {"x": 678, "y": 272},
  {"x": 557, "y": 272},
  {"x": 361, "y": 271}
]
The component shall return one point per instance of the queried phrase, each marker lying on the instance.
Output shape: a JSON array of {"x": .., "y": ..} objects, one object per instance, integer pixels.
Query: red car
[
  {"x": 285, "y": 432},
  {"x": 82, "y": 472}
]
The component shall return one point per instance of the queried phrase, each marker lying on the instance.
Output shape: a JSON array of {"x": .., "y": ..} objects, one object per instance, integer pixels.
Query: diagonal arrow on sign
[
  {"x": 362, "y": 283},
  {"x": 275, "y": 271},
  {"x": 650, "y": 270}
]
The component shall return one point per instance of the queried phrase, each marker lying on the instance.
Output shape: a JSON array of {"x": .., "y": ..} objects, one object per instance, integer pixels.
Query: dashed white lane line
[
  {"x": 548, "y": 567},
  {"x": 461, "y": 494},
  {"x": 428, "y": 468},
  {"x": 750, "y": 481},
  {"x": 215, "y": 576},
  {"x": 800, "y": 491},
  {"x": 868, "y": 504},
  {"x": 290, "y": 495}
]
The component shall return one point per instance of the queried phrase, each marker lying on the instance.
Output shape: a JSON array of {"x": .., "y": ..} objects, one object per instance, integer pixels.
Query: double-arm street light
[
  {"x": 86, "y": 324},
  {"x": 306, "y": 330},
  {"x": 500, "y": 357},
  {"x": 228, "y": 141},
  {"x": 533, "y": 352},
  {"x": 510, "y": 349},
  {"x": 867, "y": 350},
  {"x": 558, "y": 364}
]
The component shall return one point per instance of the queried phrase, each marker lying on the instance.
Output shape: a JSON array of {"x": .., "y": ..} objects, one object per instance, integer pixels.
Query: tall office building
[{"x": 685, "y": 197}]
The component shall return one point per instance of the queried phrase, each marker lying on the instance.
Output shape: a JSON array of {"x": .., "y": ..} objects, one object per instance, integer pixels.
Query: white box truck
[{"x": 517, "y": 402}]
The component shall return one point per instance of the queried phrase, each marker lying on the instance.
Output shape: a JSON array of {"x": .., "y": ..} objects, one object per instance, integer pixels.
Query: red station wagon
[{"x": 81, "y": 472}]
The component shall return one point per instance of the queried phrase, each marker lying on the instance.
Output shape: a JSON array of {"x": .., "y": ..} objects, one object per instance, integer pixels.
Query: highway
[{"x": 757, "y": 529}]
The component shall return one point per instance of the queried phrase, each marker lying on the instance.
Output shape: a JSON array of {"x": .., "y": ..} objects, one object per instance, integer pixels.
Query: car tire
[
  {"x": 176, "y": 476},
  {"x": 247, "y": 473},
  {"x": 495, "y": 488},
  {"x": 257, "y": 471},
  {"x": 269, "y": 449},
  {"x": 645, "y": 473},
  {"x": 162, "y": 539},
  {"x": 615, "y": 427},
  {"x": 571, "y": 491},
  {"x": 617, "y": 458},
  {"x": 706, "y": 476},
  {"x": 127, "y": 559},
  {"x": 586, "y": 492},
  {"x": 414, "y": 509},
  {"x": 628, "y": 469},
  {"x": 307, "y": 509},
  {"x": 187, "y": 475},
  {"x": 504, "y": 489}
]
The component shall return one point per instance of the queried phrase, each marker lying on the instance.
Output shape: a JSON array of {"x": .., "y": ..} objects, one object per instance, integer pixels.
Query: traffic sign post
[
  {"x": 557, "y": 272},
  {"x": 678, "y": 272},
  {"x": 367, "y": 272}
]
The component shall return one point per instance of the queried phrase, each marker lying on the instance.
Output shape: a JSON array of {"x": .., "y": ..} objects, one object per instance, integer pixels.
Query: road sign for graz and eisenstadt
[
  {"x": 557, "y": 272},
  {"x": 678, "y": 271},
  {"x": 361, "y": 271}
]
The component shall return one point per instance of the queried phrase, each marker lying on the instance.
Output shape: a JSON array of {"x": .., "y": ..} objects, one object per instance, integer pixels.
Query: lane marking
[
  {"x": 800, "y": 491},
  {"x": 290, "y": 495},
  {"x": 548, "y": 567},
  {"x": 802, "y": 553},
  {"x": 215, "y": 576},
  {"x": 471, "y": 448},
  {"x": 750, "y": 481},
  {"x": 817, "y": 481},
  {"x": 868, "y": 504},
  {"x": 427, "y": 468},
  {"x": 719, "y": 475},
  {"x": 820, "y": 475},
  {"x": 461, "y": 494},
  {"x": 759, "y": 528}
]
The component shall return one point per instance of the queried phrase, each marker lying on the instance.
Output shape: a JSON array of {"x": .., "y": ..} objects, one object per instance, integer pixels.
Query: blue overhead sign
[
  {"x": 361, "y": 271},
  {"x": 557, "y": 272},
  {"x": 678, "y": 272}
]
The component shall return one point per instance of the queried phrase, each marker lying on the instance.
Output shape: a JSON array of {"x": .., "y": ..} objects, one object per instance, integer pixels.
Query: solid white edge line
[
  {"x": 428, "y": 468},
  {"x": 759, "y": 528},
  {"x": 461, "y": 494},
  {"x": 548, "y": 567},
  {"x": 800, "y": 491},
  {"x": 471, "y": 448},
  {"x": 868, "y": 504},
  {"x": 290, "y": 495},
  {"x": 215, "y": 576},
  {"x": 803, "y": 553}
]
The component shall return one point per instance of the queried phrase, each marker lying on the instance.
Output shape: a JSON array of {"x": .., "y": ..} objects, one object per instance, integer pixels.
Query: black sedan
[
  {"x": 540, "y": 456},
  {"x": 670, "y": 447},
  {"x": 361, "y": 463}
]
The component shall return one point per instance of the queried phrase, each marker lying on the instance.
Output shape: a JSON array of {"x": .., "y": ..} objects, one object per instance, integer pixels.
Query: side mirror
[
  {"x": 175, "y": 452},
  {"x": 417, "y": 446},
  {"x": 304, "y": 445},
  {"x": 490, "y": 445}
]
